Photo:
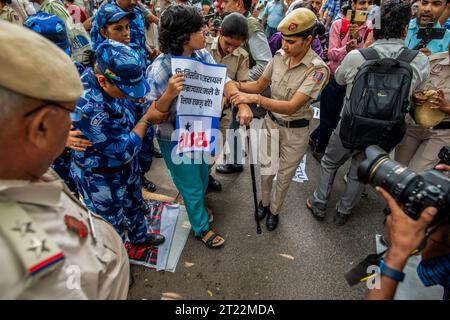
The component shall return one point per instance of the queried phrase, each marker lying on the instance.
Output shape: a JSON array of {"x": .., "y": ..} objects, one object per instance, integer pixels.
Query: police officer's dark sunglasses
[{"x": 74, "y": 114}]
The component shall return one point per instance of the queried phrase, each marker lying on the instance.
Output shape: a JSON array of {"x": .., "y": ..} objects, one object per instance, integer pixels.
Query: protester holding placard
[{"x": 181, "y": 34}]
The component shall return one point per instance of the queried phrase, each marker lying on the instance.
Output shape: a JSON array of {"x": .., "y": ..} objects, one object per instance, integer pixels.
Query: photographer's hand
[{"x": 405, "y": 235}]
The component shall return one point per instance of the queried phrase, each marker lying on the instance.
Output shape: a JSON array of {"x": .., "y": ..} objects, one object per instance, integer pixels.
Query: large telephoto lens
[{"x": 379, "y": 170}]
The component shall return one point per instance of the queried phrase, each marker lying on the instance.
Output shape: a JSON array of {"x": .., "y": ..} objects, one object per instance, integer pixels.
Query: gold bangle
[{"x": 259, "y": 100}]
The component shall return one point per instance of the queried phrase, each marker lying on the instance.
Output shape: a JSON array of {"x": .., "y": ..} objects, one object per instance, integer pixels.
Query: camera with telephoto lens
[
  {"x": 444, "y": 155},
  {"x": 416, "y": 192}
]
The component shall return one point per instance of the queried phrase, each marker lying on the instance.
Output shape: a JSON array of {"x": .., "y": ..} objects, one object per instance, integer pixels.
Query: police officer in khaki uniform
[
  {"x": 51, "y": 247},
  {"x": 420, "y": 147},
  {"x": 296, "y": 76},
  {"x": 9, "y": 14},
  {"x": 226, "y": 49}
]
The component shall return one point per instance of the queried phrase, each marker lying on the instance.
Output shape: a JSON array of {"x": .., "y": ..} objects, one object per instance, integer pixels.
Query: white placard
[{"x": 203, "y": 87}]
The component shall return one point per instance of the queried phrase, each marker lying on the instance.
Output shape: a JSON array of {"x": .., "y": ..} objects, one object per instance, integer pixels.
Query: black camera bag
[{"x": 375, "y": 112}]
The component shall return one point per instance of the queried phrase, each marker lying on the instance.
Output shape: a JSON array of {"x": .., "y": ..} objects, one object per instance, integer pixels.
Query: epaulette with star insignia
[{"x": 36, "y": 252}]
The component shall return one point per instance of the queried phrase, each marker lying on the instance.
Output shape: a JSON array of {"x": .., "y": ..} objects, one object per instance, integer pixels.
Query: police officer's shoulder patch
[
  {"x": 98, "y": 118},
  {"x": 317, "y": 76}
]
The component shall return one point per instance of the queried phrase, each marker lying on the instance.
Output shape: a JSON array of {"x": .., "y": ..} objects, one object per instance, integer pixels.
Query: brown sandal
[{"x": 208, "y": 237}]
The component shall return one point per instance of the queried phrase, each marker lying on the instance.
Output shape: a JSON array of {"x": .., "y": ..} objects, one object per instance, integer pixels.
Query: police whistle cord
[{"x": 252, "y": 171}]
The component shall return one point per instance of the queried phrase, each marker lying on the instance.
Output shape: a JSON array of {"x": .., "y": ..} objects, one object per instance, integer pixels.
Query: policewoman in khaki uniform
[
  {"x": 420, "y": 147},
  {"x": 51, "y": 247},
  {"x": 296, "y": 76}
]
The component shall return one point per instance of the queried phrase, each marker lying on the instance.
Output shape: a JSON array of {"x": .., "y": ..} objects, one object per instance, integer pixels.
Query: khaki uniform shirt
[
  {"x": 309, "y": 77},
  {"x": 237, "y": 62},
  {"x": 92, "y": 269},
  {"x": 440, "y": 75},
  {"x": 8, "y": 14}
]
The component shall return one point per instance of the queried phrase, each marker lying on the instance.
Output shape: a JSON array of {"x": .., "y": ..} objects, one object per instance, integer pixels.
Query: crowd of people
[{"x": 110, "y": 70}]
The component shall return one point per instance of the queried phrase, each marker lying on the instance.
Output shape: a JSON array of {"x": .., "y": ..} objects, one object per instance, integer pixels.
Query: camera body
[
  {"x": 427, "y": 189},
  {"x": 444, "y": 155},
  {"x": 429, "y": 33},
  {"x": 415, "y": 191}
]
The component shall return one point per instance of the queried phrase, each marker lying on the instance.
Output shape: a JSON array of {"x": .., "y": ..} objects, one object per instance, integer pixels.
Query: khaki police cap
[
  {"x": 35, "y": 67},
  {"x": 428, "y": 117},
  {"x": 424, "y": 114},
  {"x": 297, "y": 21}
]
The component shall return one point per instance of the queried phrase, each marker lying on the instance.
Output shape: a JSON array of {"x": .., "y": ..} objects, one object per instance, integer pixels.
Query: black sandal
[{"x": 208, "y": 237}]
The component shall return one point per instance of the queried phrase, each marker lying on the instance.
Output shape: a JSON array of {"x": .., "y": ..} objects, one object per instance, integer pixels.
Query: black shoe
[
  {"x": 317, "y": 155},
  {"x": 157, "y": 153},
  {"x": 340, "y": 219},
  {"x": 262, "y": 211},
  {"x": 154, "y": 239},
  {"x": 147, "y": 184},
  {"x": 214, "y": 184},
  {"x": 316, "y": 212},
  {"x": 272, "y": 221},
  {"x": 229, "y": 168}
]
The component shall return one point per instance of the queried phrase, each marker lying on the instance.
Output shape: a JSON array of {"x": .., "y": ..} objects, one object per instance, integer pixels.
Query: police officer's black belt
[
  {"x": 107, "y": 170},
  {"x": 442, "y": 126},
  {"x": 300, "y": 123}
]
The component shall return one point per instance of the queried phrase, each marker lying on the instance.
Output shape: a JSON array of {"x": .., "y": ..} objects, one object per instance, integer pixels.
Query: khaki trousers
[
  {"x": 282, "y": 149},
  {"x": 420, "y": 147}
]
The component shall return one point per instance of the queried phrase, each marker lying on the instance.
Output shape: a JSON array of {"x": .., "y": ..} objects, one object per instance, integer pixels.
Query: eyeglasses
[{"x": 74, "y": 114}]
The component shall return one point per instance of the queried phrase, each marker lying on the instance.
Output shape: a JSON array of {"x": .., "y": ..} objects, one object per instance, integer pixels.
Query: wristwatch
[{"x": 390, "y": 272}]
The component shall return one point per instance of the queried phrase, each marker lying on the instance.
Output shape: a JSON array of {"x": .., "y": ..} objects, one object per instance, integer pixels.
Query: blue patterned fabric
[
  {"x": 122, "y": 65},
  {"x": 145, "y": 156},
  {"x": 51, "y": 27},
  {"x": 112, "y": 13},
  {"x": 137, "y": 31},
  {"x": 108, "y": 125},
  {"x": 435, "y": 271}
]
